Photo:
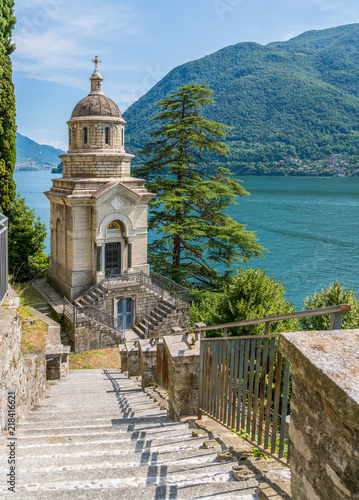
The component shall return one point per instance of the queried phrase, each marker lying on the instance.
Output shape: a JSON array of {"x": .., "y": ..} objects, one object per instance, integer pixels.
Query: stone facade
[
  {"x": 324, "y": 426},
  {"x": 98, "y": 222}
]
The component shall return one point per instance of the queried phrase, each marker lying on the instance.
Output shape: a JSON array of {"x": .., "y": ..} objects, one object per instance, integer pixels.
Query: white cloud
[
  {"x": 56, "y": 38},
  {"x": 58, "y": 145}
]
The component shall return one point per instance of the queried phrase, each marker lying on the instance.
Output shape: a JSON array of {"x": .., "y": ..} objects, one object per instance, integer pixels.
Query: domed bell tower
[{"x": 98, "y": 219}]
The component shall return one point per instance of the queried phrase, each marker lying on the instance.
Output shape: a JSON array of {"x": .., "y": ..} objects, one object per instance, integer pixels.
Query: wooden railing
[
  {"x": 3, "y": 257},
  {"x": 244, "y": 382},
  {"x": 335, "y": 313}
]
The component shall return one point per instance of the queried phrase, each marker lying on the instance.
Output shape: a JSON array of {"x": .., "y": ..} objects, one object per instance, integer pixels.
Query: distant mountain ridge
[
  {"x": 33, "y": 156},
  {"x": 293, "y": 106}
]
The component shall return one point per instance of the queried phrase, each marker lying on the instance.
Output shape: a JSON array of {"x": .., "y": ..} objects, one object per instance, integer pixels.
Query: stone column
[
  {"x": 183, "y": 365},
  {"x": 132, "y": 356},
  {"x": 147, "y": 362},
  {"x": 324, "y": 426}
]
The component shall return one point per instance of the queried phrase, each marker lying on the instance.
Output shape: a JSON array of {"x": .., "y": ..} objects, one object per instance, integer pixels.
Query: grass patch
[
  {"x": 33, "y": 336},
  {"x": 28, "y": 294},
  {"x": 104, "y": 358}
]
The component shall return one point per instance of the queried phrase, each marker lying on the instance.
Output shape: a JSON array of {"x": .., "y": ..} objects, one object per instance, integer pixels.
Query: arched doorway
[{"x": 113, "y": 249}]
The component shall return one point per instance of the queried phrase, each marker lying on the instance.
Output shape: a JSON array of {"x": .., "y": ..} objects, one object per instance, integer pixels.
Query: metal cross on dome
[{"x": 96, "y": 61}]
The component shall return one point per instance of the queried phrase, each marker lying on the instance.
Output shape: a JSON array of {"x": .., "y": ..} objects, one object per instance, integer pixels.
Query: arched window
[
  {"x": 107, "y": 135},
  {"x": 122, "y": 137},
  {"x": 70, "y": 137},
  {"x": 85, "y": 135}
]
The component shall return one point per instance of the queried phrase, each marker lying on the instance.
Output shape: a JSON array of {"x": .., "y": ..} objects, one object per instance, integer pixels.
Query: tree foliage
[
  {"x": 332, "y": 295},
  {"x": 193, "y": 232},
  {"x": 26, "y": 242},
  {"x": 250, "y": 294},
  {"x": 7, "y": 108}
]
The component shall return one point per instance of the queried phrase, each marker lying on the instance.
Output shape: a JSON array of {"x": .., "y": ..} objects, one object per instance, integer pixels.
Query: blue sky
[{"x": 138, "y": 41}]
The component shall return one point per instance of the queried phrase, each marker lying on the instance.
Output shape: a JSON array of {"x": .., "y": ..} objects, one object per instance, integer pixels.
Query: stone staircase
[
  {"x": 98, "y": 436},
  {"x": 91, "y": 296},
  {"x": 162, "y": 314},
  {"x": 159, "y": 316}
]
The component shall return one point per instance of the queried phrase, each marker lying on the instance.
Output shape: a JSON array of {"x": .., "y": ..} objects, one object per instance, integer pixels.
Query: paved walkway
[
  {"x": 96, "y": 435},
  {"x": 52, "y": 297}
]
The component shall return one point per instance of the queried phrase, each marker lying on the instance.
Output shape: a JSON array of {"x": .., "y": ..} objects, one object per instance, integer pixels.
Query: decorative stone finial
[{"x": 96, "y": 78}]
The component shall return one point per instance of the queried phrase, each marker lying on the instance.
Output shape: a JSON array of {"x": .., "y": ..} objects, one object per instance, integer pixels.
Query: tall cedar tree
[
  {"x": 7, "y": 108},
  {"x": 192, "y": 231}
]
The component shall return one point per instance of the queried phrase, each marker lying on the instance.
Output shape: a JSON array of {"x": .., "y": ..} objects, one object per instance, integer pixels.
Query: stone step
[
  {"x": 88, "y": 435},
  {"x": 131, "y": 476},
  {"x": 139, "y": 331},
  {"x": 74, "y": 407},
  {"x": 83, "y": 413},
  {"x": 116, "y": 458},
  {"x": 117, "y": 418},
  {"x": 158, "y": 446},
  {"x": 114, "y": 420},
  {"x": 169, "y": 426},
  {"x": 104, "y": 490}
]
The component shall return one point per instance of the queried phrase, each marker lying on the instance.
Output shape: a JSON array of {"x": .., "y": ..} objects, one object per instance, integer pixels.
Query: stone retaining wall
[
  {"x": 324, "y": 426},
  {"x": 24, "y": 374}
]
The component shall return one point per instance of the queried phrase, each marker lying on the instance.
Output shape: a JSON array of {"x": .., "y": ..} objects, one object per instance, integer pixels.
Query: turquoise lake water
[{"x": 310, "y": 226}]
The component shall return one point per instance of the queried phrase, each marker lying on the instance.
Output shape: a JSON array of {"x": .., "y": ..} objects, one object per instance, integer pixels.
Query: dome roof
[{"x": 96, "y": 104}]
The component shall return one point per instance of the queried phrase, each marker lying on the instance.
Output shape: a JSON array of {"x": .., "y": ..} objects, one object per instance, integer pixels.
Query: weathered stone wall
[
  {"x": 144, "y": 301},
  {"x": 183, "y": 365},
  {"x": 132, "y": 358},
  {"x": 147, "y": 355},
  {"x": 324, "y": 426},
  {"x": 123, "y": 361},
  {"x": 88, "y": 337},
  {"x": 23, "y": 374}
]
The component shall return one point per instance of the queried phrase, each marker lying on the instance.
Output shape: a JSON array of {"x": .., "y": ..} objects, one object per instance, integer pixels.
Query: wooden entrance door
[
  {"x": 113, "y": 258},
  {"x": 125, "y": 313}
]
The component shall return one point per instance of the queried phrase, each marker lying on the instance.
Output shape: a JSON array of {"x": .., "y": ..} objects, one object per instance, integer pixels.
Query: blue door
[{"x": 124, "y": 313}]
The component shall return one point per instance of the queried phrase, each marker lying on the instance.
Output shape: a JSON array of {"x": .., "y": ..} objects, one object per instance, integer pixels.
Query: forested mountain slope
[
  {"x": 293, "y": 106},
  {"x": 33, "y": 156}
]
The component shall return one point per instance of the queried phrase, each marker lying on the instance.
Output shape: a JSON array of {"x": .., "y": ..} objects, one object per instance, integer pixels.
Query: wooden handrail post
[
  {"x": 266, "y": 328},
  {"x": 335, "y": 321},
  {"x": 225, "y": 330}
]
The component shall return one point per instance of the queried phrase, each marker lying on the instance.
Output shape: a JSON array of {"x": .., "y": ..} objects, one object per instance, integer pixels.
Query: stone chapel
[{"x": 98, "y": 224}]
